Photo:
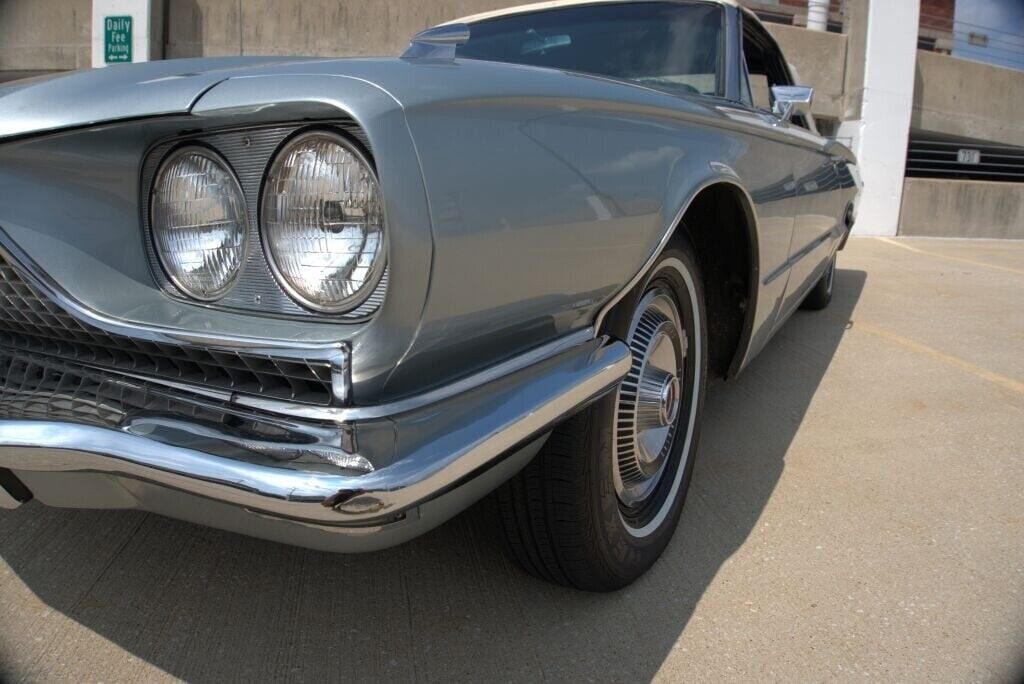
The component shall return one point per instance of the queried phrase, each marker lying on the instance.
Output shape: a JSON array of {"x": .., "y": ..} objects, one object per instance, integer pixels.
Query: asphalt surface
[{"x": 857, "y": 512}]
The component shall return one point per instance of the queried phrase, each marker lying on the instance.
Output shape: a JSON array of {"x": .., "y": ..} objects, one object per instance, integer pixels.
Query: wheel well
[{"x": 720, "y": 226}]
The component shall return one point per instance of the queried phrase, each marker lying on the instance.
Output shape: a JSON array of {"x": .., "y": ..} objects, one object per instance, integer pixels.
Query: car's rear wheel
[
  {"x": 821, "y": 294},
  {"x": 598, "y": 505}
]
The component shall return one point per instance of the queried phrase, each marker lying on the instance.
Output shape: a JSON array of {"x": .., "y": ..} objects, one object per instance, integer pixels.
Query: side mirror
[{"x": 790, "y": 101}]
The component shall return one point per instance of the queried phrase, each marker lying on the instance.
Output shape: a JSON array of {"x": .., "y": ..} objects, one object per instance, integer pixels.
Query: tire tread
[{"x": 550, "y": 516}]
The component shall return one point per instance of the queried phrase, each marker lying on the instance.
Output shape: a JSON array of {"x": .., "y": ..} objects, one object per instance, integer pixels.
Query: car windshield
[{"x": 669, "y": 45}]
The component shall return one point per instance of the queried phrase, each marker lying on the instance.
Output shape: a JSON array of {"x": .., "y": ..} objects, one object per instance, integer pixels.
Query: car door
[
  {"x": 766, "y": 170},
  {"x": 815, "y": 182},
  {"x": 816, "y": 216}
]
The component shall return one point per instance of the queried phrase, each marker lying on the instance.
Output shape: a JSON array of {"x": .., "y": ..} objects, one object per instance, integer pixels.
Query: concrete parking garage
[{"x": 857, "y": 512}]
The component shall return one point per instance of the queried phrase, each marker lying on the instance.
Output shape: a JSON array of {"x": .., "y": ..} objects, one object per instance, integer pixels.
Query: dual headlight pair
[{"x": 320, "y": 214}]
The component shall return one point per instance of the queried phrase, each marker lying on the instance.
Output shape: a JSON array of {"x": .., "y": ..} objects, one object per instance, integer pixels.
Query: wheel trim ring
[
  {"x": 655, "y": 522},
  {"x": 643, "y": 441}
]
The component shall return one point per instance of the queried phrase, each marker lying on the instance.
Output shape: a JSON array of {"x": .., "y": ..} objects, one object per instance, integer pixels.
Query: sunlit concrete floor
[{"x": 857, "y": 512}]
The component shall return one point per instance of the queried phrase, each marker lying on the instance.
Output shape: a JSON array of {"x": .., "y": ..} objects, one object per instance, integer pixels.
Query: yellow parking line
[
  {"x": 951, "y": 258},
  {"x": 977, "y": 371}
]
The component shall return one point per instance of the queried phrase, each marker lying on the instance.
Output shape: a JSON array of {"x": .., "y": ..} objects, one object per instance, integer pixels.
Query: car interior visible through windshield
[{"x": 671, "y": 46}]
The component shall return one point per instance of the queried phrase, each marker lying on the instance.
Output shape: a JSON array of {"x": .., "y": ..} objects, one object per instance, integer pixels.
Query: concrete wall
[
  {"x": 956, "y": 208},
  {"x": 820, "y": 61},
  {"x": 45, "y": 34},
  {"x": 307, "y": 27},
  {"x": 375, "y": 27},
  {"x": 969, "y": 99},
  {"x": 54, "y": 34}
]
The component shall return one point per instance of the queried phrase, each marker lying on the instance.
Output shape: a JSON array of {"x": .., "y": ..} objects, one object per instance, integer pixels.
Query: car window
[
  {"x": 765, "y": 67},
  {"x": 673, "y": 46},
  {"x": 760, "y": 92}
]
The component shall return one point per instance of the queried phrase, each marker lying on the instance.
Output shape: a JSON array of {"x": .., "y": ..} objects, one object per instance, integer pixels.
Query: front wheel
[{"x": 598, "y": 505}]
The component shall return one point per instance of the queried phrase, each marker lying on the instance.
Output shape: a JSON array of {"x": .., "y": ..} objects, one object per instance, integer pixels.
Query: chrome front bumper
[{"x": 448, "y": 452}]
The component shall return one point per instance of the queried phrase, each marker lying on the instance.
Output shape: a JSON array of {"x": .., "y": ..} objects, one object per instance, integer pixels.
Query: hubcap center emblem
[{"x": 669, "y": 400}]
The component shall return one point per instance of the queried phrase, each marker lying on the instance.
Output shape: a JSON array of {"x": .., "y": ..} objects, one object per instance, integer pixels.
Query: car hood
[
  {"x": 117, "y": 92},
  {"x": 170, "y": 87}
]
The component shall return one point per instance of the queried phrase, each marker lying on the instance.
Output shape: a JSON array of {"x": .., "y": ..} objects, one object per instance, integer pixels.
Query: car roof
[{"x": 556, "y": 4}]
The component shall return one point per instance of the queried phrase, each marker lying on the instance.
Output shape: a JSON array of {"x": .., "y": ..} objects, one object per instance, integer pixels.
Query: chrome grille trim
[
  {"x": 38, "y": 388},
  {"x": 42, "y": 388},
  {"x": 32, "y": 322}
]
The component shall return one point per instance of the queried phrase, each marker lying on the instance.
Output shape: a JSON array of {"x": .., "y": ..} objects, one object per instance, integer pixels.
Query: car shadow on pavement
[{"x": 205, "y": 605}]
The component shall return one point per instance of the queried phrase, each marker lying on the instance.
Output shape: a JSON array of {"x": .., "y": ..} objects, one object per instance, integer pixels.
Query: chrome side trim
[
  {"x": 342, "y": 384},
  {"x": 357, "y": 413},
  {"x": 804, "y": 251},
  {"x": 448, "y": 446},
  {"x": 341, "y": 375}
]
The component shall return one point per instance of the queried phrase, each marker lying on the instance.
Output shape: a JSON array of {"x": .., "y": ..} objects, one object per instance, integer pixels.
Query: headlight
[
  {"x": 323, "y": 222},
  {"x": 197, "y": 214}
]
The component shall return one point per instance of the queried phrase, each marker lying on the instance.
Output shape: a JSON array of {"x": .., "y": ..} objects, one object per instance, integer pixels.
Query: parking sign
[{"x": 117, "y": 39}]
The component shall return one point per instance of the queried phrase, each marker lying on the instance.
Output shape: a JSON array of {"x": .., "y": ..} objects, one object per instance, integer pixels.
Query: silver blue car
[{"x": 334, "y": 302}]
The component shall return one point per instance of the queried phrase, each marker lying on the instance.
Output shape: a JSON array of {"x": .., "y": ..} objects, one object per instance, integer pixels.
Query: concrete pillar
[
  {"x": 126, "y": 31},
  {"x": 817, "y": 15},
  {"x": 881, "y": 110}
]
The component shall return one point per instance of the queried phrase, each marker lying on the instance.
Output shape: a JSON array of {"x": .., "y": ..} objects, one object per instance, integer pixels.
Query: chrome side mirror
[{"x": 790, "y": 101}]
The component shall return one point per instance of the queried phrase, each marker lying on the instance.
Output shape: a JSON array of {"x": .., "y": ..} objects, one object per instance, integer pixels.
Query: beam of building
[{"x": 880, "y": 125}]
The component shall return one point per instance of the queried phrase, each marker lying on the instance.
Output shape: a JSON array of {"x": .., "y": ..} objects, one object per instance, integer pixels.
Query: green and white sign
[{"x": 117, "y": 39}]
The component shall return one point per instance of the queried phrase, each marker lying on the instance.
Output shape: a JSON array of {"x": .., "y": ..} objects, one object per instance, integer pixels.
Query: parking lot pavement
[{"x": 857, "y": 512}]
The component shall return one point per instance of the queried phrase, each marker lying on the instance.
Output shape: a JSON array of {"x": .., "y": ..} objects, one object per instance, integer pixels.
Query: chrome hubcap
[{"x": 649, "y": 398}]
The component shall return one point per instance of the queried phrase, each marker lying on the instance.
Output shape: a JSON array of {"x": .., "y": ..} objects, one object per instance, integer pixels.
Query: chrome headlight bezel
[
  {"x": 379, "y": 262},
  {"x": 242, "y": 220}
]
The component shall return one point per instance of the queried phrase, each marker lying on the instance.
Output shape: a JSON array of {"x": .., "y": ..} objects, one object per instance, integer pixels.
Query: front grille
[
  {"x": 41, "y": 388},
  {"x": 30, "y": 322},
  {"x": 37, "y": 388}
]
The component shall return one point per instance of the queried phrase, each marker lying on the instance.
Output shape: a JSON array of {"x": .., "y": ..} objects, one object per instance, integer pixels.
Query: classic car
[{"x": 334, "y": 302}]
